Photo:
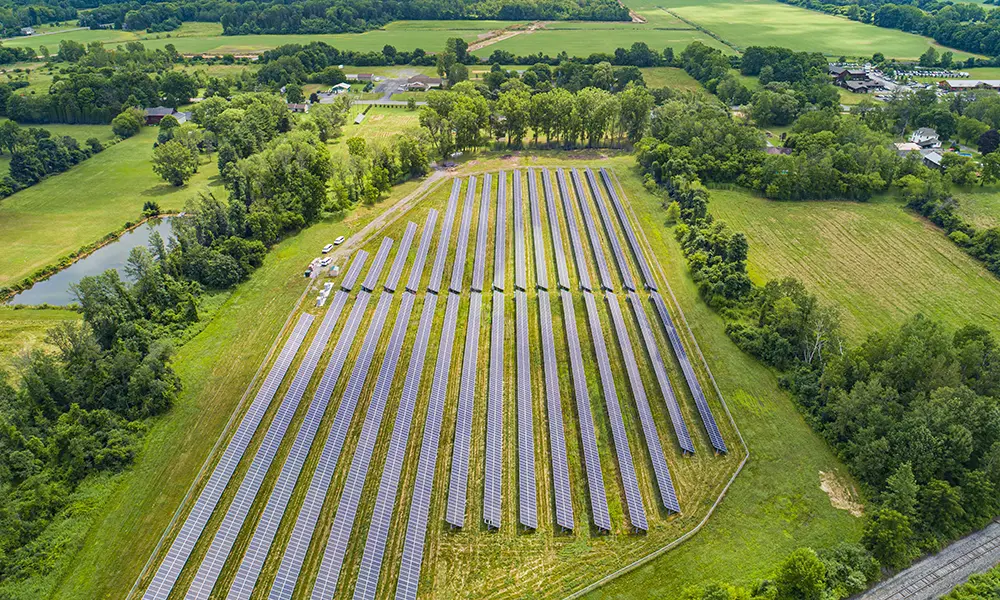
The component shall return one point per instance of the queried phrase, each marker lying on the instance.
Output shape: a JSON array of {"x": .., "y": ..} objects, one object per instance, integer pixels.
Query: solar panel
[
  {"x": 574, "y": 233},
  {"x": 659, "y": 368},
  {"x": 520, "y": 261},
  {"x": 194, "y": 524},
  {"x": 714, "y": 435},
  {"x": 493, "y": 489},
  {"x": 417, "y": 270},
  {"x": 663, "y": 480},
  {"x": 557, "y": 434},
  {"x": 636, "y": 511},
  {"x": 500, "y": 235},
  {"x": 401, "y": 255},
  {"x": 416, "y": 527},
  {"x": 588, "y": 435},
  {"x": 595, "y": 238},
  {"x": 458, "y": 486},
  {"x": 351, "y": 276},
  {"x": 385, "y": 502},
  {"x": 479, "y": 266},
  {"x": 347, "y": 508},
  {"x": 461, "y": 252},
  {"x": 616, "y": 248},
  {"x": 562, "y": 271},
  {"x": 527, "y": 492},
  {"x": 442, "y": 249},
  {"x": 541, "y": 274},
  {"x": 375, "y": 270},
  {"x": 633, "y": 241}
]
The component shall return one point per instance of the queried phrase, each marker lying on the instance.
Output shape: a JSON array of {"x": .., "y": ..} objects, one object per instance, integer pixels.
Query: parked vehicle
[
  {"x": 325, "y": 261},
  {"x": 327, "y": 248},
  {"x": 338, "y": 241}
]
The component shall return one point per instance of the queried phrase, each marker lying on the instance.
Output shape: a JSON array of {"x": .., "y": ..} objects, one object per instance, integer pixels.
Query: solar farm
[{"x": 452, "y": 439}]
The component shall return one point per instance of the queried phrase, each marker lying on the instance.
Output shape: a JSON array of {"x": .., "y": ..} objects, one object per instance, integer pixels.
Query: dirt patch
[{"x": 842, "y": 495}]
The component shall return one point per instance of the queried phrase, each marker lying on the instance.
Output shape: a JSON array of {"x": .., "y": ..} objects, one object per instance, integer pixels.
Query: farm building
[
  {"x": 155, "y": 114},
  {"x": 959, "y": 85},
  {"x": 422, "y": 83},
  {"x": 855, "y": 80}
]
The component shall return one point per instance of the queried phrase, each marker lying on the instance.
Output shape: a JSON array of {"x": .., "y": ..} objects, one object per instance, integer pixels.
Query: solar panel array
[
  {"x": 557, "y": 435},
  {"x": 633, "y": 241},
  {"x": 479, "y": 266},
  {"x": 541, "y": 274},
  {"x": 267, "y": 526},
  {"x": 442, "y": 250},
  {"x": 500, "y": 235},
  {"x": 592, "y": 234},
  {"x": 392, "y": 281},
  {"x": 375, "y": 270},
  {"x": 354, "y": 271},
  {"x": 493, "y": 488},
  {"x": 582, "y": 271},
  {"x": 305, "y": 523},
  {"x": 520, "y": 260},
  {"x": 609, "y": 227},
  {"x": 417, "y": 270},
  {"x": 659, "y": 368},
  {"x": 663, "y": 480},
  {"x": 714, "y": 435},
  {"x": 637, "y": 512},
  {"x": 591, "y": 458},
  {"x": 562, "y": 271},
  {"x": 527, "y": 494},
  {"x": 194, "y": 524},
  {"x": 458, "y": 267},
  {"x": 458, "y": 486},
  {"x": 420, "y": 505}
]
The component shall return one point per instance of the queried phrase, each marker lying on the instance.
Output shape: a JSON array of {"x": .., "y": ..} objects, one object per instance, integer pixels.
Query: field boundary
[
  {"x": 739, "y": 469},
  {"x": 702, "y": 29}
]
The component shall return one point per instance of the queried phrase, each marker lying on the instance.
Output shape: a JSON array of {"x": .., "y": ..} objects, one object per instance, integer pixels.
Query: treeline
[
  {"x": 10, "y": 55},
  {"x": 983, "y": 585},
  {"x": 35, "y": 154},
  {"x": 963, "y": 26},
  {"x": 153, "y": 16},
  {"x": 15, "y": 15}
]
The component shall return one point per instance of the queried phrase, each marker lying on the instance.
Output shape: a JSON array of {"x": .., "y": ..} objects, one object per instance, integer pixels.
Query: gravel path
[{"x": 936, "y": 575}]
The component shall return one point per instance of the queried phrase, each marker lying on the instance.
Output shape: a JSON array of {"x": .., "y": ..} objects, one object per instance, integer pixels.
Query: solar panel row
[
  {"x": 636, "y": 511},
  {"x": 527, "y": 493},
  {"x": 417, "y": 270},
  {"x": 633, "y": 241},
  {"x": 591, "y": 458},
  {"x": 659, "y": 368},
  {"x": 550, "y": 203},
  {"x": 461, "y": 251},
  {"x": 553, "y": 401},
  {"x": 458, "y": 486},
  {"x": 385, "y": 502},
  {"x": 479, "y": 266},
  {"x": 351, "y": 276},
  {"x": 582, "y": 271},
  {"x": 500, "y": 235},
  {"x": 194, "y": 524},
  {"x": 375, "y": 270},
  {"x": 541, "y": 274},
  {"x": 347, "y": 508},
  {"x": 442, "y": 250},
  {"x": 609, "y": 228},
  {"x": 714, "y": 435},
  {"x": 592, "y": 234},
  {"x": 396, "y": 271},
  {"x": 416, "y": 527},
  {"x": 520, "y": 260},
  {"x": 493, "y": 488},
  {"x": 663, "y": 480}
]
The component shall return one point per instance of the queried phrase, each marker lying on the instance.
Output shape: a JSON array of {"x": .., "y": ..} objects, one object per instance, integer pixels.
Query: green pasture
[
  {"x": 671, "y": 77},
  {"x": 24, "y": 330},
  {"x": 586, "y": 41},
  {"x": 979, "y": 205}
]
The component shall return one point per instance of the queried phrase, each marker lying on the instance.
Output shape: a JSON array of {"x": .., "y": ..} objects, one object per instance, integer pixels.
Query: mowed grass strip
[
  {"x": 64, "y": 212},
  {"x": 876, "y": 262}
]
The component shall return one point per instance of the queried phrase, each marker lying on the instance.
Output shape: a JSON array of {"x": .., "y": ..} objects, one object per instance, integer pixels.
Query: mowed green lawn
[
  {"x": 876, "y": 262},
  {"x": 49, "y": 220},
  {"x": 979, "y": 205},
  {"x": 23, "y": 330}
]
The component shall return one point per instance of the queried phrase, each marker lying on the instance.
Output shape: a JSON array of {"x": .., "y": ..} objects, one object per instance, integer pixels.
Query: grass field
[
  {"x": 875, "y": 261},
  {"x": 979, "y": 205},
  {"x": 69, "y": 210},
  {"x": 670, "y": 77},
  {"x": 588, "y": 39},
  {"x": 24, "y": 330}
]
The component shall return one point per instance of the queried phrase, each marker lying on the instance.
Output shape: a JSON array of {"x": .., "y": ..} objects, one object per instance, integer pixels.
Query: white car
[
  {"x": 327, "y": 248},
  {"x": 325, "y": 261},
  {"x": 338, "y": 241}
]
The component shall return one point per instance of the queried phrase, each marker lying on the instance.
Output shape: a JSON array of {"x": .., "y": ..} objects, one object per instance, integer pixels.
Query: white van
[
  {"x": 327, "y": 248},
  {"x": 338, "y": 241}
]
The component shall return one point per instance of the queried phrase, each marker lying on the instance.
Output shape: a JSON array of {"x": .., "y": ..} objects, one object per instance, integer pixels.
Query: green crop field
[
  {"x": 23, "y": 330},
  {"x": 979, "y": 205},
  {"x": 876, "y": 262},
  {"x": 670, "y": 77},
  {"x": 60, "y": 214},
  {"x": 586, "y": 40}
]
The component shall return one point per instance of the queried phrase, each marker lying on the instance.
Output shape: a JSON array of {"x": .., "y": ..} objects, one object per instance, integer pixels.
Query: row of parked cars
[{"x": 323, "y": 261}]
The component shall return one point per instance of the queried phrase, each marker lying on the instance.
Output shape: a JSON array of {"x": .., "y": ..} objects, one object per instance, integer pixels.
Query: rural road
[{"x": 936, "y": 575}]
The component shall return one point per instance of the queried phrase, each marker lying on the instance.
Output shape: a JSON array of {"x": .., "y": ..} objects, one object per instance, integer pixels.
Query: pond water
[{"x": 56, "y": 289}]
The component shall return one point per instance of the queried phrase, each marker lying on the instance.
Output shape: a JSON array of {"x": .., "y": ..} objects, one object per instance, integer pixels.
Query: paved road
[{"x": 936, "y": 575}]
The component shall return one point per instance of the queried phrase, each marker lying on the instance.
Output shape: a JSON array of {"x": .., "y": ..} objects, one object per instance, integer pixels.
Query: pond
[{"x": 56, "y": 289}]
